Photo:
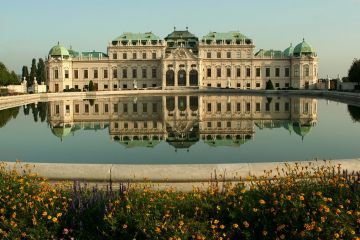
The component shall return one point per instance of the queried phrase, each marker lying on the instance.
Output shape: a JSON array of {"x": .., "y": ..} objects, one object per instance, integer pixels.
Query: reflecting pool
[{"x": 180, "y": 129}]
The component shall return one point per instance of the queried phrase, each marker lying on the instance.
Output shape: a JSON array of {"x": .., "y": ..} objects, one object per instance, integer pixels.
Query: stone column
[
  {"x": 187, "y": 74},
  {"x": 175, "y": 75}
]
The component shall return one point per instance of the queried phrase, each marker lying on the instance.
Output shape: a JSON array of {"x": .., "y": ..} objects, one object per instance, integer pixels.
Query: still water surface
[{"x": 180, "y": 129}]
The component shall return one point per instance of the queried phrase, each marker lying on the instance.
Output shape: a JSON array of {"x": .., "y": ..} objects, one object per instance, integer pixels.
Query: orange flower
[
  {"x": 302, "y": 198},
  {"x": 262, "y": 201}
]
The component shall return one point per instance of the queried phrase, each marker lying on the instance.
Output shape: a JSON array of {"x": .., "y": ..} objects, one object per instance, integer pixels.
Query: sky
[{"x": 28, "y": 29}]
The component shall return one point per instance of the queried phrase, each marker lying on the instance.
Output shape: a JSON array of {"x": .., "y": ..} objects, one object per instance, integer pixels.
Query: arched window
[
  {"x": 306, "y": 71},
  {"x": 194, "y": 79},
  {"x": 182, "y": 78},
  {"x": 170, "y": 78}
]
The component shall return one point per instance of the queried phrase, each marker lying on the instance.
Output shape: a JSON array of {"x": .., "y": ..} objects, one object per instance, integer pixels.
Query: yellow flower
[
  {"x": 246, "y": 224},
  {"x": 262, "y": 202},
  {"x": 222, "y": 226},
  {"x": 58, "y": 214},
  {"x": 302, "y": 198},
  {"x": 264, "y": 233},
  {"x": 255, "y": 210},
  {"x": 23, "y": 234},
  {"x": 44, "y": 214},
  {"x": 49, "y": 217},
  {"x": 336, "y": 235},
  {"x": 157, "y": 230},
  {"x": 282, "y": 236},
  {"x": 54, "y": 219},
  {"x": 128, "y": 206},
  {"x": 288, "y": 197},
  {"x": 235, "y": 225},
  {"x": 216, "y": 221},
  {"x": 124, "y": 226}
]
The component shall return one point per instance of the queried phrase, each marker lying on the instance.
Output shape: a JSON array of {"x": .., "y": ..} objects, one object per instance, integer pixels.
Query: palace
[{"x": 181, "y": 61}]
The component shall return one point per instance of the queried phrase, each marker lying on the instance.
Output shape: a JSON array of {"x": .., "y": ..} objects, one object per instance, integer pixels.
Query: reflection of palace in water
[{"x": 218, "y": 120}]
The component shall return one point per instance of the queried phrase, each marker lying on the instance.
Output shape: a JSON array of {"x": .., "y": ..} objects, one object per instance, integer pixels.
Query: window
[
  {"x": 218, "y": 85},
  {"x": 114, "y": 56},
  {"x": 116, "y": 125},
  {"x": 105, "y": 73},
  {"x": 153, "y": 73},
  {"x": 277, "y": 72},
  {"x": 134, "y": 55},
  {"x": 143, "y": 73},
  {"x": 77, "y": 108},
  {"x": 115, "y": 73},
  {"x": 208, "y": 74},
  {"x": 228, "y": 72},
  {"x": 208, "y": 54},
  {"x": 228, "y": 54},
  {"x": 135, "y": 125},
  {"x": 238, "y": 72},
  {"x": 134, "y": 107},
  {"x": 153, "y": 55},
  {"x": 95, "y": 73},
  {"x": 228, "y": 124},
  {"x": 57, "y": 109},
  {"x": 56, "y": 73},
  {"x": 287, "y": 107},
  {"x": 125, "y": 107},
  {"x": 154, "y": 124},
  {"x": 115, "y": 86},
  {"x": 144, "y": 85},
  {"x": 106, "y": 86},
  {"x": 67, "y": 108},
  {"x": 145, "y": 107},
  {"x": 287, "y": 72},
  {"x": 116, "y": 107},
  {"x": 96, "y": 108},
  {"x": 67, "y": 87},
  {"x": 277, "y": 107},
  {"x": 257, "y": 85},
  {"x": 209, "y": 124},
  {"x": 126, "y": 125},
  {"x": 257, "y": 107},
  {"x": 267, "y": 72},
  {"x": 145, "y": 124},
  {"x": 248, "y": 85},
  {"x": 154, "y": 107},
  {"x": 144, "y": 55},
  {"x": 86, "y": 73},
  {"x": 66, "y": 74},
  {"x": 124, "y": 73},
  {"x": 134, "y": 73},
  {"x": 257, "y": 72},
  {"x": 267, "y": 107},
  {"x": 306, "y": 71},
  {"x": 209, "y": 107},
  {"x": 106, "y": 108},
  {"x": 124, "y": 86},
  {"x": 277, "y": 85},
  {"x": 218, "y": 72},
  {"x": 248, "y": 72},
  {"x": 218, "y": 124},
  {"x": 124, "y": 56},
  {"x": 296, "y": 71},
  {"x": 238, "y": 107},
  {"x": 248, "y": 107},
  {"x": 218, "y": 107},
  {"x": 228, "y": 107},
  {"x": 287, "y": 85},
  {"x": 218, "y": 54},
  {"x": 76, "y": 74},
  {"x": 86, "y": 108},
  {"x": 238, "y": 85},
  {"x": 76, "y": 86}
]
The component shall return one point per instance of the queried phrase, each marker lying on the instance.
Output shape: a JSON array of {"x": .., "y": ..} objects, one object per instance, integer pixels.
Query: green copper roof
[
  {"x": 269, "y": 53},
  {"x": 185, "y": 35},
  {"x": 301, "y": 130},
  {"x": 61, "y": 131},
  {"x": 232, "y": 35},
  {"x": 73, "y": 53},
  {"x": 288, "y": 52},
  {"x": 128, "y": 36},
  {"x": 58, "y": 50},
  {"x": 94, "y": 54},
  {"x": 303, "y": 48}
]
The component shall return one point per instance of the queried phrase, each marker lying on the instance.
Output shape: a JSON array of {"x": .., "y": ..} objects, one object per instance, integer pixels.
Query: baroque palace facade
[{"x": 181, "y": 60}]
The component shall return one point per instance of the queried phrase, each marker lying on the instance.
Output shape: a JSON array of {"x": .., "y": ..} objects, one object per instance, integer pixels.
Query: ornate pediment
[{"x": 181, "y": 54}]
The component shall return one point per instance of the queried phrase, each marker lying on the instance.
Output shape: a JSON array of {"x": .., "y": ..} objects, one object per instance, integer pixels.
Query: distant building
[{"x": 181, "y": 60}]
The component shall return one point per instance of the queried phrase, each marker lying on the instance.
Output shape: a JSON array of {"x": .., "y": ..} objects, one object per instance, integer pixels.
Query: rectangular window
[
  {"x": 277, "y": 72},
  {"x": 76, "y": 74},
  {"x": 67, "y": 108},
  {"x": 115, "y": 73},
  {"x": 277, "y": 107},
  {"x": 228, "y": 54},
  {"x": 277, "y": 85},
  {"x": 208, "y": 72},
  {"x": 257, "y": 85},
  {"x": 126, "y": 125},
  {"x": 134, "y": 73},
  {"x": 218, "y": 124},
  {"x": 124, "y": 86},
  {"x": 143, "y": 73},
  {"x": 287, "y": 72},
  {"x": 116, "y": 106},
  {"x": 56, "y": 74},
  {"x": 238, "y": 85},
  {"x": 115, "y": 86},
  {"x": 218, "y": 72},
  {"x": 228, "y": 107},
  {"x": 106, "y": 108},
  {"x": 218, "y": 107},
  {"x": 287, "y": 107},
  {"x": 228, "y": 72},
  {"x": 86, "y": 108},
  {"x": 248, "y": 107},
  {"x": 154, "y": 107},
  {"x": 153, "y": 73},
  {"x": 209, "y": 124},
  {"x": 209, "y": 107},
  {"x": 267, "y": 107},
  {"x": 124, "y": 55},
  {"x": 238, "y": 107},
  {"x": 86, "y": 73},
  {"x": 66, "y": 74},
  {"x": 153, "y": 55},
  {"x": 258, "y": 72},
  {"x": 96, "y": 108},
  {"x": 116, "y": 125},
  {"x": 95, "y": 73},
  {"x": 77, "y": 108},
  {"x": 144, "y": 55},
  {"x": 145, "y": 125},
  {"x": 144, "y": 85},
  {"x": 125, "y": 107},
  {"x": 134, "y": 55},
  {"x": 124, "y": 73},
  {"x": 228, "y": 124},
  {"x": 57, "y": 109},
  {"x": 76, "y": 86},
  {"x": 208, "y": 54},
  {"x": 114, "y": 56},
  {"x": 134, "y": 108},
  {"x": 218, "y": 54},
  {"x": 144, "y": 107},
  {"x": 248, "y": 72},
  {"x": 105, "y": 73},
  {"x": 106, "y": 86},
  {"x": 257, "y": 107},
  {"x": 267, "y": 72},
  {"x": 154, "y": 124},
  {"x": 238, "y": 72},
  {"x": 248, "y": 85},
  {"x": 135, "y": 125},
  {"x": 287, "y": 85}
]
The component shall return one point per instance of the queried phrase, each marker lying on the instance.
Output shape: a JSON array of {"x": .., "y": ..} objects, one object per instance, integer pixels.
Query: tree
[
  {"x": 25, "y": 73},
  {"x": 7, "y": 77},
  {"x": 354, "y": 72},
  {"x": 269, "y": 85},
  {"x": 14, "y": 78},
  {"x": 40, "y": 75},
  {"x": 91, "y": 86},
  {"x": 354, "y": 112},
  {"x": 33, "y": 71}
]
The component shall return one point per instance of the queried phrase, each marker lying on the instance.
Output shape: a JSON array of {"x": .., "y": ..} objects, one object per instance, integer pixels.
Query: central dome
[
  {"x": 303, "y": 48},
  {"x": 58, "y": 51}
]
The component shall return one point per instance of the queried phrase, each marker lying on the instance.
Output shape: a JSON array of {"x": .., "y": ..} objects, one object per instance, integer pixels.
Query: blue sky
[{"x": 30, "y": 28}]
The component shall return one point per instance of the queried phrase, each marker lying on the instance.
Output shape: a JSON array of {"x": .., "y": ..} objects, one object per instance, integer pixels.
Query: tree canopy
[
  {"x": 354, "y": 71},
  {"x": 7, "y": 77}
]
